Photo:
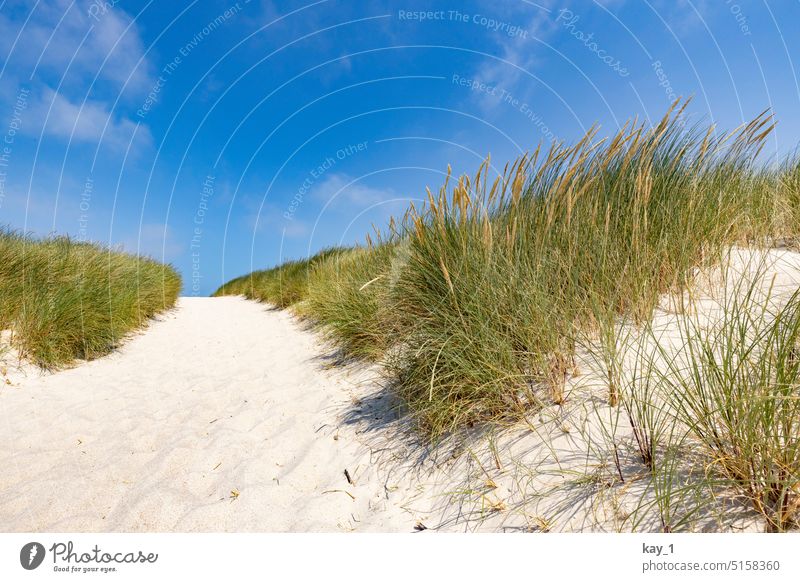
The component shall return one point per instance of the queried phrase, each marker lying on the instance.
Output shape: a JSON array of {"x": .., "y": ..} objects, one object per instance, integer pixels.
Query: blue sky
[{"x": 225, "y": 136}]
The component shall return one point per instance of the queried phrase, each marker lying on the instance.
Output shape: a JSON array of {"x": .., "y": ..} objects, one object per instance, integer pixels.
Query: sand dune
[{"x": 226, "y": 415}]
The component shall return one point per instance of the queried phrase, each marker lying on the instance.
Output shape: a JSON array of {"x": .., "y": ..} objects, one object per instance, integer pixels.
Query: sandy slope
[
  {"x": 220, "y": 396},
  {"x": 224, "y": 397}
]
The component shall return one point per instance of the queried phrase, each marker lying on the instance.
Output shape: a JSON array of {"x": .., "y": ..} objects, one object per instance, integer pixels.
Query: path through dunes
[
  {"x": 225, "y": 415},
  {"x": 220, "y": 417}
]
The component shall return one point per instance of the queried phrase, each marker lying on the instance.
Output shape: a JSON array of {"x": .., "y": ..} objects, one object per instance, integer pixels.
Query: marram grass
[
  {"x": 716, "y": 412},
  {"x": 64, "y": 300},
  {"x": 281, "y": 286},
  {"x": 348, "y": 295},
  {"x": 476, "y": 301}
]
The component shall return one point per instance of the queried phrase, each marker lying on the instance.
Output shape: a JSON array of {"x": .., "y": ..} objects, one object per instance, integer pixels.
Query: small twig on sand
[{"x": 340, "y": 491}]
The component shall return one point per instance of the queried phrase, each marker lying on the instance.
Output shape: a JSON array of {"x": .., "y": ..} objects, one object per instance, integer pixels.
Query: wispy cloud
[
  {"x": 340, "y": 189},
  {"x": 271, "y": 219},
  {"x": 52, "y": 114},
  {"x": 61, "y": 44},
  {"x": 336, "y": 195},
  {"x": 355, "y": 207},
  {"x": 516, "y": 56},
  {"x": 682, "y": 17},
  {"x": 61, "y": 39}
]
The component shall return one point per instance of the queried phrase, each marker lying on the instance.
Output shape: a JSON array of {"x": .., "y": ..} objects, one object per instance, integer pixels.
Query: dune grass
[
  {"x": 506, "y": 277},
  {"x": 717, "y": 408},
  {"x": 741, "y": 403},
  {"x": 349, "y": 297},
  {"x": 789, "y": 187},
  {"x": 282, "y": 286},
  {"x": 64, "y": 300},
  {"x": 477, "y": 301}
]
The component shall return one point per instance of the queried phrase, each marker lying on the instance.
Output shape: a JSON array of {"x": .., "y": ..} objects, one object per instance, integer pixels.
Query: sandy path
[
  {"x": 224, "y": 416},
  {"x": 221, "y": 396}
]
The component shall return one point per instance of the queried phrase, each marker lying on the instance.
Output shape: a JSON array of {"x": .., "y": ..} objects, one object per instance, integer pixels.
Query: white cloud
[
  {"x": 62, "y": 39},
  {"x": 343, "y": 189},
  {"x": 55, "y": 115},
  {"x": 296, "y": 229},
  {"x": 59, "y": 44},
  {"x": 354, "y": 207},
  {"x": 336, "y": 194},
  {"x": 271, "y": 219},
  {"x": 517, "y": 56},
  {"x": 683, "y": 16}
]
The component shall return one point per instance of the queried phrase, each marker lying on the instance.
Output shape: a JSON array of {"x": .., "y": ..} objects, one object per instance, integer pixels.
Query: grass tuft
[
  {"x": 477, "y": 301},
  {"x": 65, "y": 300}
]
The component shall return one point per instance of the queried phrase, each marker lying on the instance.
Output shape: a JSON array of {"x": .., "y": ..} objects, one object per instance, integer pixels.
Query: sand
[
  {"x": 226, "y": 415},
  {"x": 219, "y": 417}
]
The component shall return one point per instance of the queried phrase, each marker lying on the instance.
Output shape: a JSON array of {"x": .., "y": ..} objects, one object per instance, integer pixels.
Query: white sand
[
  {"x": 221, "y": 395},
  {"x": 225, "y": 395}
]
